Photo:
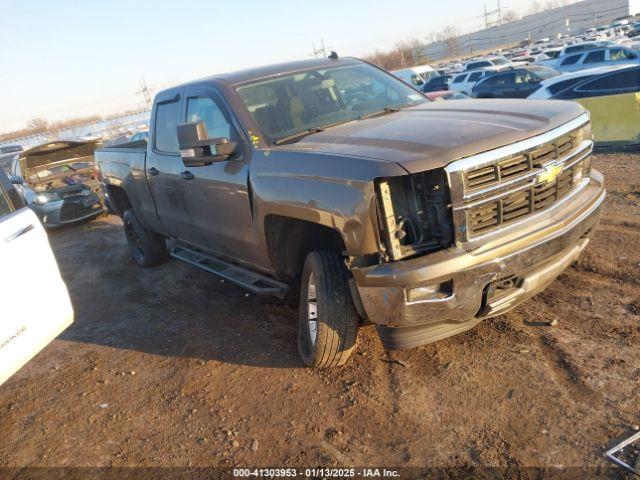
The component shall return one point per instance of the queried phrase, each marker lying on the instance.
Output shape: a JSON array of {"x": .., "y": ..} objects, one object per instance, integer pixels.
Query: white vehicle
[
  {"x": 554, "y": 85},
  {"x": 35, "y": 303},
  {"x": 583, "y": 46},
  {"x": 598, "y": 57},
  {"x": 464, "y": 82},
  {"x": 416, "y": 76},
  {"x": 482, "y": 63}
]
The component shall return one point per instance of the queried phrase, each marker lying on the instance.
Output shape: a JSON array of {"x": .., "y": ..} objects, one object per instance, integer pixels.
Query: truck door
[
  {"x": 36, "y": 307},
  {"x": 163, "y": 167},
  {"x": 217, "y": 194}
]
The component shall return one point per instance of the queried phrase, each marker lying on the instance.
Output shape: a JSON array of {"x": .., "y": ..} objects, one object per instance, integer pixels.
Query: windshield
[{"x": 314, "y": 99}]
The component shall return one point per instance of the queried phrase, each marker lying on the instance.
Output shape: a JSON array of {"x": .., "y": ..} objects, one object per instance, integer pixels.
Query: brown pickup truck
[{"x": 334, "y": 179}]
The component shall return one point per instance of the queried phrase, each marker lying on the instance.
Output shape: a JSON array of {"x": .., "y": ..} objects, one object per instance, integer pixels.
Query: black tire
[
  {"x": 147, "y": 248},
  {"x": 336, "y": 317}
]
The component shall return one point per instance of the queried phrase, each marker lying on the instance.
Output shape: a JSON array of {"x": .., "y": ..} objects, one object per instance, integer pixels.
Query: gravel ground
[{"x": 173, "y": 367}]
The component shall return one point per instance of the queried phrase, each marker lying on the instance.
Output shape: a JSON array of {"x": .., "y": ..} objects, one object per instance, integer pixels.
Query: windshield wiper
[
  {"x": 379, "y": 113},
  {"x": 298, "y": 135}
]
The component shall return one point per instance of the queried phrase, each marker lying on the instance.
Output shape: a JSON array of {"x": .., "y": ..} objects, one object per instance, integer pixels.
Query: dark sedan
[
  {"x": 513, "y": 83},
  {"x": 437, "y": 84}
]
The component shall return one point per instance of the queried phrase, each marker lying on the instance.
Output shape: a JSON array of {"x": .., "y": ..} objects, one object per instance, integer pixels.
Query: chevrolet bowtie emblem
[{"x": 550, "y": 173}]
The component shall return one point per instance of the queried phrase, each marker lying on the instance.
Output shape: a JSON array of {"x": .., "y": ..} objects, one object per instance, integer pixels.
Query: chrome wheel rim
[{"x": 312, "y": 309}]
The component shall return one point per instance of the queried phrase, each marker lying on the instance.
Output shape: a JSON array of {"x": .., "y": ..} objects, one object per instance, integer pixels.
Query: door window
[
  {"x": 627, "y": 80},
  {"x": 475, "y": 76},
  {"x": 619, "y": 54},
  {"x": 572, "y": 60},
  {"x": 5, "y": 205},
  {"x": 501, "y": 81},
  {"x": 206, "y": 110},
  {"x": 165, "y": 127},
  {"x": 460, "y": 78},
  {"x": 594, "y": 57}
]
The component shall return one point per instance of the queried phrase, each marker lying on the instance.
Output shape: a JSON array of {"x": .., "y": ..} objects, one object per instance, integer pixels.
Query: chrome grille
[
  {"x": 518, "y": 165},
  {"x": 517, "y": 205},
  {"x": 504, "y": 186}
]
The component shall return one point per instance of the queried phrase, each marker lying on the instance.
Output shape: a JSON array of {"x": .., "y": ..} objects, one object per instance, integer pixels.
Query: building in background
[{"x": 568, "y": 20}]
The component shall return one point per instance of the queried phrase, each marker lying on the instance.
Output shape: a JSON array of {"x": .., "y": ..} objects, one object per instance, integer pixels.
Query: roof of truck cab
[{"x": 257, "y": 73}]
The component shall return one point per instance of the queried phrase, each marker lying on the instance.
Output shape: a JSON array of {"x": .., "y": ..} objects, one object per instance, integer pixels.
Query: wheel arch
[{"x": 290, "y": 240}]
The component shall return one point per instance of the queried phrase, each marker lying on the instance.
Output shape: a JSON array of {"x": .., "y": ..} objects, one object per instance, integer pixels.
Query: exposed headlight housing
[
  {"x": 42, "y": 198},
  {"x": 414, "y": 214}
]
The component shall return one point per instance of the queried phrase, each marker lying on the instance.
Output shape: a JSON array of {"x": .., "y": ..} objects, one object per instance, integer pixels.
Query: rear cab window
[{"x": 165, "y": 127}]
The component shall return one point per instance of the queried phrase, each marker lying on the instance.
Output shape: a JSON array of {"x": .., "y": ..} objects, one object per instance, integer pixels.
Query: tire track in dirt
[{"x": 566, "y": 373}]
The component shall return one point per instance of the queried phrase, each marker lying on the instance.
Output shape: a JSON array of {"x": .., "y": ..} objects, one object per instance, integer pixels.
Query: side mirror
[
  {"x": 16, "y": 180},
  {"x": 197, "y": 149}
]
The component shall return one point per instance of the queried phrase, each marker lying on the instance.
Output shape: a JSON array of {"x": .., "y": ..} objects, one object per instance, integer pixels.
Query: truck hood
[{"x": 431, "y": 136}]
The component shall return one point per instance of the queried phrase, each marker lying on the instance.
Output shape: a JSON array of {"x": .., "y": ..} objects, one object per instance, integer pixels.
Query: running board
[{"x": 252, "y": 281}]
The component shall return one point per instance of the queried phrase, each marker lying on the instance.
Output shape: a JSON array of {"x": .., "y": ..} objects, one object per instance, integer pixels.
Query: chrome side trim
[{"x": 491, "y": 156}]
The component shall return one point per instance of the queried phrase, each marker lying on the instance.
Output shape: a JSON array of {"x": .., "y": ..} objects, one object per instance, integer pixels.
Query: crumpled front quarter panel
[{"x": 331, "y": 190}]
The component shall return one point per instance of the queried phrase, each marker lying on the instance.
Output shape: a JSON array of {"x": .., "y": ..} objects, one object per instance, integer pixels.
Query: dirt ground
[{"x": 173, "y": 367}]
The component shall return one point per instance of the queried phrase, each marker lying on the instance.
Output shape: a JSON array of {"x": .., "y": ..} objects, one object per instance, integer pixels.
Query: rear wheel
[
  {"x": 328, "y": 321},
  {"x": 148, "y": 248}
]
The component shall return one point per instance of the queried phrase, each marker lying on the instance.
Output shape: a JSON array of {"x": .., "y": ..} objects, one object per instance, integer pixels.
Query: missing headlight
[{"x": 415, "y": 214}]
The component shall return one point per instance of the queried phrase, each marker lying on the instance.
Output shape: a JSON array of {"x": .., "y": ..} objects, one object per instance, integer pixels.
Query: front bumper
[
  {"x": 62, "y": 212},
  {"x": 526, "y": 260}
]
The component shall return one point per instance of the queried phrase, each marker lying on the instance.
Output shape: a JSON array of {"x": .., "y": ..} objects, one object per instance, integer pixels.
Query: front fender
[{"x": 331, "y": 190}]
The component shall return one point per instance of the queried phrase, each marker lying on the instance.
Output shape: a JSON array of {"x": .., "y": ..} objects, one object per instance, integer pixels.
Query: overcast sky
[{"x": 62, "y": 59}]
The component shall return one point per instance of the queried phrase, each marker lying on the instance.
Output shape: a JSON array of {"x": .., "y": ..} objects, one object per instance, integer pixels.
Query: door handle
[
  {"x": 153, "y": 171},
  {"x": 187, "y": 175},
  {"x": 19, "y": 233}
]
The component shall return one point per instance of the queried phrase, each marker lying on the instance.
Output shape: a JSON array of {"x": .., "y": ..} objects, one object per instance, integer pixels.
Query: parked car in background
[
  {"x": 489, "y": 62},
  {"x": 8, "y": 153},
  {"x": 634, "y": 30},
  {"x": 446, "y": 95},
  {"x": 613, "y": 99},
  {"x": 550, "y": 87},
  {"x": 464, "y": 82},
  {"x": 416, "y": 76},
  {"x": 599, "y": 57},
  {"x": 552, "y": 52},
  {"x": 58, "y": 181},
  {"x": 513, "y": 83},
  {"x": 36, "y": 306},
  {"x": 581, "y": 47},
  {"x": 436, "y": 84}
]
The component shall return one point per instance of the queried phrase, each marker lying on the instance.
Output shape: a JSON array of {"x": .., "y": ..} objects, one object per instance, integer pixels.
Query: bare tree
[
  {"x": 38, "y": 125},
  {"x": 401, "y": 56},
  {"x": 449, "y": 35},
  {"x": 536, "y": 7},
  {"x": 510, "y": 15}
]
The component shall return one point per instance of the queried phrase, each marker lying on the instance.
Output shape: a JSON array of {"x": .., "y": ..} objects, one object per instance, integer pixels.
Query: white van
[
  {"x": 34, "y": 300},
  {"x": 416, "y": 76}
]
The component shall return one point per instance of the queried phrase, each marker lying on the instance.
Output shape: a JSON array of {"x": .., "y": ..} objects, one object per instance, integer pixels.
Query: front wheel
[
  {"x": 148, "y": 248},
  {"x": 328, "y": 321}
]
